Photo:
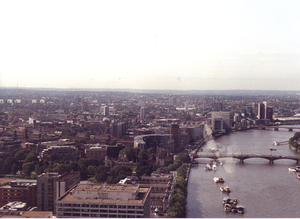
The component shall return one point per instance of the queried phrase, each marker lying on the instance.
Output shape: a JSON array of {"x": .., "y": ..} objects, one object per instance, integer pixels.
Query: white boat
[
  {"x": 276, "y": 143},
  {"x": 214, "y": 167},
  {"x": 208, "y": 167},
  {"x": 218, "y": 179},
  {"x": 292, "y": 169}
]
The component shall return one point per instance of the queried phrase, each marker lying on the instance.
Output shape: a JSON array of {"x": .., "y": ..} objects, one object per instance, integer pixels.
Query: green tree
[
  {"x": 20, "y": 155},
  {"x": 28, "y": 168},
  {"x": 142, "y": 156},
  {"x": 32, "y": 156}
]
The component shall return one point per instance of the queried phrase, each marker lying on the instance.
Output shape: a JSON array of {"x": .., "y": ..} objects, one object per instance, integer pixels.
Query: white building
[{"x": 100, "y": 200}]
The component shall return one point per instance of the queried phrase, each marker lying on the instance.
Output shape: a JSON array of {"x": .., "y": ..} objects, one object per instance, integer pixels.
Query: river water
[{"x": 265, "y": 190}]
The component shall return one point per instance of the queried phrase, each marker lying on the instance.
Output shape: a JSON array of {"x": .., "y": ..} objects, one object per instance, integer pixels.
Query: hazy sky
[{"x": 181, "y": 45}]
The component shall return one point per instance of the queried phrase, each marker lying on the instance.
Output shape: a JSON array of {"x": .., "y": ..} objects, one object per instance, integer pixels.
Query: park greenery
[{"x": 294, "y": 141}]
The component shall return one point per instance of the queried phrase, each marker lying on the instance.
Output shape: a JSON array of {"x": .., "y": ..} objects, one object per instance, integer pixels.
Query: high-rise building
[
  {"x": 226, "y": 118},
  {"x": 106, "y": 111},
  {"x": 175, "y": 131},
  {"x": 264, "y": 112},
  {"x": 186, "y": 106},
  {"x": 51, "y": 186},
  {"x": 142, "y": 113},
  {"x": 101, "y": 200}
]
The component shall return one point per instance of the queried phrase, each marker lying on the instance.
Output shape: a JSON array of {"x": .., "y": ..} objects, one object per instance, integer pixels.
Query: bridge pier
[
  {"x": 271, "y": 161},
  {"x": 276, "y": 129},
  {"x": 290, "y": 130}
]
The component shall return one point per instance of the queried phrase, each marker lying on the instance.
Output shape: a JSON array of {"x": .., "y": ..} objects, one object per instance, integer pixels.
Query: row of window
[
  {"x": 12, "y": 194},
  {"x": 102, "y": 215},
  {"x": 101, "y": 211},
  {"x": 100, "y": 206}
]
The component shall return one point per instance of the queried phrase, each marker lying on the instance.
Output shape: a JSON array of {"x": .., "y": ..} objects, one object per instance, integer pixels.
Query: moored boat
[
  {"x": 292, "y": 169},
  {"x": 240, "y": 209},
  {"x": 218, "y": 179},
  {"x": 227, "y": 207},
  {"x": 208, "y": 167},
  {"x": 224, "y": 189},
  {"x": 214, "y": 167},
  {"x": 297, "y": 168},
  {"x": 298, "y": 176},
  {"x": 225, "y": 199}
]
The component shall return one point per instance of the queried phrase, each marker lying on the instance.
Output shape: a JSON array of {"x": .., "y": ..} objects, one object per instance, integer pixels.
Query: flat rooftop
[{"x": 142, "y": 193}]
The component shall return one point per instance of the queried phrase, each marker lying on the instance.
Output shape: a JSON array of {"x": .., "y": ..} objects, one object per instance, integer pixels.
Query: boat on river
[
  {"x": 218, "y": 180},
  {"x": 298, "y": 176},
  {"x": 273, "y": 149},
  {"x": 240, "y": 209},
  {"x": 208, "y": 167},
  {"x": 292, "y": 169},
  {"x": 227, "y": 207},
  {"x": 224, "y": 189}
]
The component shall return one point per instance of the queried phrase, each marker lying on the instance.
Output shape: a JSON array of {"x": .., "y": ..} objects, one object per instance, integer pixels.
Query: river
[{"x": 265, "y": 190}]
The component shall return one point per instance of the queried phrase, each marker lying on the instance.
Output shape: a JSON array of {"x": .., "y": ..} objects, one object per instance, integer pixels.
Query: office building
[
  {"x": 222, "y": 121},
  {"x": 101, "y": 200},
  {"x": 19, "y": 190},
  {"x": 51, "y": 186},
  {"x": 142, "y": 113}
]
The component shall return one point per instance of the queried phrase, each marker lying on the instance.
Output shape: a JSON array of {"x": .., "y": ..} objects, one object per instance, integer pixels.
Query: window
[{"x": 94, "y": 206}]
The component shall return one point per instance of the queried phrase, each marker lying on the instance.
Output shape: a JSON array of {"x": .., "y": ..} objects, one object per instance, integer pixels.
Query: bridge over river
[{"x": 243, "y": 157}]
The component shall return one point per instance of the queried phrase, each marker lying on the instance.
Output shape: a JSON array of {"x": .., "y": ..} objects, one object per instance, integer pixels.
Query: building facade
[
  {"x": 19, "y": 190},
  {"x": 100, "y": 200},
  {"x": 51, "y": 186}
]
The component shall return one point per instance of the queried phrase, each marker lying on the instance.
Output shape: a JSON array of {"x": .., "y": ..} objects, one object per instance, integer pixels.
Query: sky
[{"x": 165, "y": 45}]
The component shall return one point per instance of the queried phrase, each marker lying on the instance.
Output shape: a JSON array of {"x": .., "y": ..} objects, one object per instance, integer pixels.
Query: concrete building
[
  {"x": 142, "y": 113},
  {"x": 19, "y": 190},
  {"x": 119, "y": 129},
  {"x": 162, "y": 187},
  {"x": 59, "y": 152},
  {"x": 96, "y": 152},
  {"x": 50, "y": 186},
  {"x": 175, "y": 131},
  {"x": 100, "y": 200},
  {"x": 154, "y": 140},
  {"x": 226, "y": 117}
]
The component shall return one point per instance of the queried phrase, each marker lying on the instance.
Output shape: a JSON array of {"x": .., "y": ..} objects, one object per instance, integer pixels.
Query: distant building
[
  {"x": 59, "y": 152},
  {"x": 222, "y": 121},
  {"x": 142, "y": 113},
  {"x": 106, "y": 111},
  {"x": 84, "y": 106},
  {"x": 175, "y": 131},
  {"x": 96, "y": 152},
  {"x": 218, "y": 106},
  {"x": 186, "y": 106},
  {"x": 264, "y": 112},
  {"x": 119, "y": 129},
  {"x": 154, "y": 140},
  {"x": 104, "y": 201}
]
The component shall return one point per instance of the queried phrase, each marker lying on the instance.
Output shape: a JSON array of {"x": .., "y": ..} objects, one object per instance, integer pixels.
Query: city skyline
[{"x": 162, "y": 45}]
